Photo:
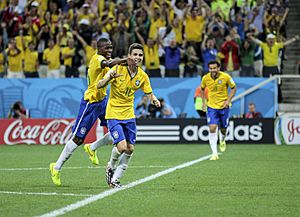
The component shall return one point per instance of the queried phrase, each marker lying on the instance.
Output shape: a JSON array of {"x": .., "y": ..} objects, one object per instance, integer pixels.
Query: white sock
[
  {"x": 114, "y": 157},
  {"x": 65, "y": 154},
  {"x": 124, "y": 160},
  {"x": 105, "y": 140},
  {"x": 213, "y": 138}
]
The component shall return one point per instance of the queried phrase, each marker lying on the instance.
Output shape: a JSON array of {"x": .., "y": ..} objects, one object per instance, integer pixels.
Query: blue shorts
[
  {"x": 218, "y": 116},
  {"x": 87, "y": 116},
  {"x": 122, "y": 130}
]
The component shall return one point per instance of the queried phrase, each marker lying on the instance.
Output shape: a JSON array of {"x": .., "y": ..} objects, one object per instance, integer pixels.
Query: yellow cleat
[
  {"x": 214, "y": 157},
  {"x": 92, "y": 154},
  {"x": 223, "y": 146},
  {"x": 55, "y": 175}
]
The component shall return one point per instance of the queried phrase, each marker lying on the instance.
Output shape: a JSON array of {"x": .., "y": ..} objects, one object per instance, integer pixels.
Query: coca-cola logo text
[{"x": 54, "y": 132}]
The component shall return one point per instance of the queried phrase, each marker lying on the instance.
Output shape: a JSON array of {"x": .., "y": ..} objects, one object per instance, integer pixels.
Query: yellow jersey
[
  {"x": 271, "y": 53},
  {"x": 95, "y": 74},
  {"x": 120, "y": 104},
  {"x": 217, "y": 89},
  {"x": 68, "y": 51},
  {"x": 52, "y": 55},
  {"x": 194, "y": 28},
  {"x": 30, "y": 60},
  {"x": 14, "y": 62},
  {"x": 151, "y": 57}
]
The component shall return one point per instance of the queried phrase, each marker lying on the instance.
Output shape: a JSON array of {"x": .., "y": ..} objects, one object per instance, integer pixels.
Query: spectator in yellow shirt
[
  {"x": 194, "y": 26},
  {"x": 51, "y": 58},
  {"x": 14, "y": 59},
  {"x": 271, "y": 52},
  {"x": 90, "y": 50},
  {"x": 31, "y": 62},
  {"x": 67, "y": 55}
]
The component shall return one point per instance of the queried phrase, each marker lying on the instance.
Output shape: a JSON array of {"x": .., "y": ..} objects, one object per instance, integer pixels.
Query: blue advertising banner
[{"x": 60, "y": 98}]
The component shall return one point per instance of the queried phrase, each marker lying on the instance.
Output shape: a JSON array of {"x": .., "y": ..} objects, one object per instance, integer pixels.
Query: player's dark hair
[
  {"x": 101, "y": 41},
  {"x": 214, "y": 62},
  {"x": 135, "y": 46}
]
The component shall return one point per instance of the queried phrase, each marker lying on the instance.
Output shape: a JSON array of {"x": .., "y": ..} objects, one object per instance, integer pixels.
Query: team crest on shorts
[
  {"x": 219, "y": 81},
  {"x": 82, "y": 130},
  {"x": 115, "y": 134},
  {"x": 137, "y": 82}
]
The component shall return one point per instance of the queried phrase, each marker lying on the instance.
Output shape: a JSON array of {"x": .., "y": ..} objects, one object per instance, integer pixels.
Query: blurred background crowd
[{"x": 57, "y": 38}]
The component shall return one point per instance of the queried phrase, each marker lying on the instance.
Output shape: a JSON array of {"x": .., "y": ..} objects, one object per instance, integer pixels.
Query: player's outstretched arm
[
  {"x": 113, "y": 62},
  {"x": 153, "y": 100},
  {"x": 231, "y": 94}
]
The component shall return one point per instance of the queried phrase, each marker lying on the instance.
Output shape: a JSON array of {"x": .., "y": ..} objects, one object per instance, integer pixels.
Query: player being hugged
[
  {"x": 218, "y": 104},
  {"x": 124, "y": 80}
]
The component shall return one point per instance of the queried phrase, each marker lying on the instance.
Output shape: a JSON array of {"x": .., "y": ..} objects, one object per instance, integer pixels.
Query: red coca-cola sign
[{"x": 39, "y": 131}]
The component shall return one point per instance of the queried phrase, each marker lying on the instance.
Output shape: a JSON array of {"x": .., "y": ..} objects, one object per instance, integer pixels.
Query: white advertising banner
[{"x": 287, "y": 129}]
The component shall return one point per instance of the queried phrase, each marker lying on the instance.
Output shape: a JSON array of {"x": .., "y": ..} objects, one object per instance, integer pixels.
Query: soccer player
[
  {"x": 218, "y": 104},
  {"x": 93, "y": 106},
  {"x": 124, "y": 80}
]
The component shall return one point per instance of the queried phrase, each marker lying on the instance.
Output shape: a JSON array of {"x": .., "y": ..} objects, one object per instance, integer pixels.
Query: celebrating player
[
  {"x": 92, "y": 106},
  {"x": 218, "y": 104},
  {"x": 124, "y": 80}
]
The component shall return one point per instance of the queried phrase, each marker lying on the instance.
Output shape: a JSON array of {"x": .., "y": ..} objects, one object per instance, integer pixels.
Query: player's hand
[
  {"x": 226, "y": 104},
  {"x": 114, "y": 74},
  {"x": 131, "y": 62},
  {"x": 156, "y": 102}
]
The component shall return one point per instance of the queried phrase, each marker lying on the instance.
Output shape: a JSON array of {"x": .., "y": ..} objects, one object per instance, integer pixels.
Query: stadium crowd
[{"x": 179, "y": 36}]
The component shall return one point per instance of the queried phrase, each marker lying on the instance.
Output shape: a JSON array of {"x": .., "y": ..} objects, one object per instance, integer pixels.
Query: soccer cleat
[
  {"x": 109, "y": 173},
  {"x": 55, "y": 175},
  {"x": 91, "y": 153},
  {"x": 115, "y": 184},
  {"x": 222, "y": 145},
  {"x": 214, "y": 157}
]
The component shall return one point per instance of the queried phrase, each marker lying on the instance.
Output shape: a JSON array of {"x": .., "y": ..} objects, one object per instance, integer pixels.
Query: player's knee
[
  {"x": 130, "y": 149},
  {"x": 78, "y": 140},
  {"x": 121, "y": 146}
]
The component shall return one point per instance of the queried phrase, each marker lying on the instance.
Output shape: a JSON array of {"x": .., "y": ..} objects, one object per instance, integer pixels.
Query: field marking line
[
  {"x": 46, "y": 193},
  {"x": 107, "y": 193},
  {"x": 88, "y": 167}
]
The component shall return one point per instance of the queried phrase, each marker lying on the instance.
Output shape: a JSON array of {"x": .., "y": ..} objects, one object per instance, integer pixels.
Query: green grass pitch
[{"x": 248, "y": 180}]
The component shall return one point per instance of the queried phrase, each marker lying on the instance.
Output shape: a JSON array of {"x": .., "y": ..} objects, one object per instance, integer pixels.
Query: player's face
[
  {"x": 105, "y": 49},
  {"x": 137, "y": 55},
  {"x": 213, "y": 69}
]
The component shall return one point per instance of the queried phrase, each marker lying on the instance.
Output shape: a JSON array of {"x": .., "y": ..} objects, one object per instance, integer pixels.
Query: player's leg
[
  {"x": 116, "y": 130},
  {"x": 224, "y": 121},
  {"x": 212, "y": 121},
  {"x": 87, "y": 116},
  {"x": 130, "y": 134},
  {"x": 105, "y": 140}
]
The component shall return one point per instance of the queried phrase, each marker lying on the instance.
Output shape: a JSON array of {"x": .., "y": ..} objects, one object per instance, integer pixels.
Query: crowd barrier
[{"x": 60, "y": 98}]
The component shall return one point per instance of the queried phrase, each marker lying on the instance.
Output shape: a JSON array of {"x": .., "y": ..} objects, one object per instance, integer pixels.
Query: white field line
[
  {"x": 104, "y": 194},
  {"x": 46, "y": 193},
  {"x": 72, "y": 168}
]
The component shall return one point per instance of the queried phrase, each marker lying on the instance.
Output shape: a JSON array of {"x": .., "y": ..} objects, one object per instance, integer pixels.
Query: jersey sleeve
[
  {"x": 146, "y": 86},
  {"x": 231, "y": 82}
]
